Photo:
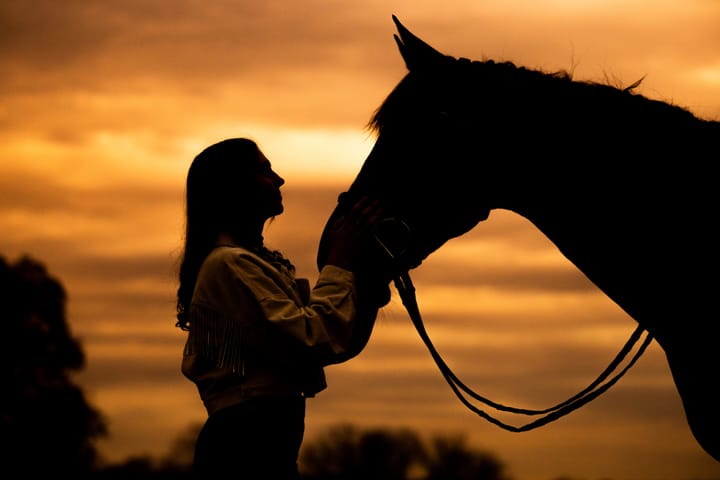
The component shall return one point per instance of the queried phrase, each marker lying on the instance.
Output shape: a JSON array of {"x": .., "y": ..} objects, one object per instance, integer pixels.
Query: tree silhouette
[
  {"x": 46, "y": 425},
  {"x": 345, "y": 452},
  {"x": 143, "y": 468},
  {"x": 449, "y": 458}
]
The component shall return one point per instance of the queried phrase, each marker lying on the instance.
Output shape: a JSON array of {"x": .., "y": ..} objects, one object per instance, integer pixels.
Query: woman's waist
[
  {"x": 215, "y": 401},
  {"x": 220, "y": 387}
]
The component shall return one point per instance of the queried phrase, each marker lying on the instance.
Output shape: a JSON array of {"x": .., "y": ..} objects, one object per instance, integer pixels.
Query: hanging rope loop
[{"x": 606, "y": 379}]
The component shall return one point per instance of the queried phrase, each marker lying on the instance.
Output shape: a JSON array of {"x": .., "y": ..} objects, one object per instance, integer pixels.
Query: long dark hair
[{"x": 218, "y": 188}]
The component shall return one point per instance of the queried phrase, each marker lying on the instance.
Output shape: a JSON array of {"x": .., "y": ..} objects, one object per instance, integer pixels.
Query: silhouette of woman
[{"x": 258, "y": 338}]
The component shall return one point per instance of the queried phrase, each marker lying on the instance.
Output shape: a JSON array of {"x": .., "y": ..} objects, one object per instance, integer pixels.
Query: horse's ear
[{"x": 416, "y": 53}]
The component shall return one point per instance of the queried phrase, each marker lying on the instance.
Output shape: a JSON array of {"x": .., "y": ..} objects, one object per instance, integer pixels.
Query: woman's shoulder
[
  {"x": 228, "y": 251},
  {"x": 238, "y": 261},
  {"x": 228, "y": 256}
]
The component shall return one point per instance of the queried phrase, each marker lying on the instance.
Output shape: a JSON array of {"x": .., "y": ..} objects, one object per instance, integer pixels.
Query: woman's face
[{"x": 267, "y": 188}]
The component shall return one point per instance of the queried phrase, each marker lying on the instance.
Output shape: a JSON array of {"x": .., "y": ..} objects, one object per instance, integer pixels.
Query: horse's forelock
[{"x": 394, "y": 104}]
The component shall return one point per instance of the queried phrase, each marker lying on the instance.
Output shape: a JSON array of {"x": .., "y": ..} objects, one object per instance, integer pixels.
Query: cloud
[{"x": 190, "y": 42}]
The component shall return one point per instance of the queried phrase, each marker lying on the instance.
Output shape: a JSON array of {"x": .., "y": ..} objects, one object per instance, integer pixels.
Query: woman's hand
[{"x": 348, "y": 233}]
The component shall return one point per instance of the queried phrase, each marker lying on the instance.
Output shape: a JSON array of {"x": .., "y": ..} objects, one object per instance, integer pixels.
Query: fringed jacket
[{"x": 256, "y": 330}]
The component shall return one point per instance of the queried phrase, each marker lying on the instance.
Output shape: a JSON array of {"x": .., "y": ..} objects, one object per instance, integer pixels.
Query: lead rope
[{"x": 406, "y": 289}]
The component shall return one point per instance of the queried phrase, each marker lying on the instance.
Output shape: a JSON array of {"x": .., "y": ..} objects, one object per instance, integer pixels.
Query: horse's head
[{"x": 419, "y": 167}]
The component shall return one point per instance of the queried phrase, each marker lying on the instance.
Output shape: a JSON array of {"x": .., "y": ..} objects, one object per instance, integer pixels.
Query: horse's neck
[
  {"x": 637, "y": 245},
  {"x": 573, "y": 148}
]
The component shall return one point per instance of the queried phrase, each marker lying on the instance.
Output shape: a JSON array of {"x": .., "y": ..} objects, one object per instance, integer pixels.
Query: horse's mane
[{"x": 461, "y": 76}]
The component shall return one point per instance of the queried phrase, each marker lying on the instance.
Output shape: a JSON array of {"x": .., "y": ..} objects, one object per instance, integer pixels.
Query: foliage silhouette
[
  {"x": 345, "y": 452},
  {"x": 450, "y": 459},
  {"x": 47, "y": 426},
  {"x": 143, "y": 468}
]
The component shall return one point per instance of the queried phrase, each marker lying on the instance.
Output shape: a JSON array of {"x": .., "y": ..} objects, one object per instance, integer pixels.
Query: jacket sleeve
[{"x": 331, "y": 324}]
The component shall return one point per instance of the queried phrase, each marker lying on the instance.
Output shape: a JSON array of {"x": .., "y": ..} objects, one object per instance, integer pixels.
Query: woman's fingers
[{"x": 366, "y": 211}]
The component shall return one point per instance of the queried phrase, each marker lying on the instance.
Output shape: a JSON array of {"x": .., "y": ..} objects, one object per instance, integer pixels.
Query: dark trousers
[{"x": 257, "y": 439}]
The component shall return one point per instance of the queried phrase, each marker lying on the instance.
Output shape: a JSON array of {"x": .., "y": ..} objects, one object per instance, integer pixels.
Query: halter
[{"x": 403, "y": 283}]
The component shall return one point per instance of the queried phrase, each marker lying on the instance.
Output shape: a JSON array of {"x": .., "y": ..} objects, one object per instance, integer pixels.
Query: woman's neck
[{"x": 243, "y": 239}]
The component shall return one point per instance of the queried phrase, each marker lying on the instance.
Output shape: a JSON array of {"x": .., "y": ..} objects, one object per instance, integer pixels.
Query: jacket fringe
[{"x": 215, "y": 338}]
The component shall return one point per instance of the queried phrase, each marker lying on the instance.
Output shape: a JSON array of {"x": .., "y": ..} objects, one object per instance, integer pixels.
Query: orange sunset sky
[{"x": 104, "y": 104}]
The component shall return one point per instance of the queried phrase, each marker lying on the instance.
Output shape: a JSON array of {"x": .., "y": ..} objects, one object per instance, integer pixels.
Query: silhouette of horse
[{"x": 623, "y": 185}]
